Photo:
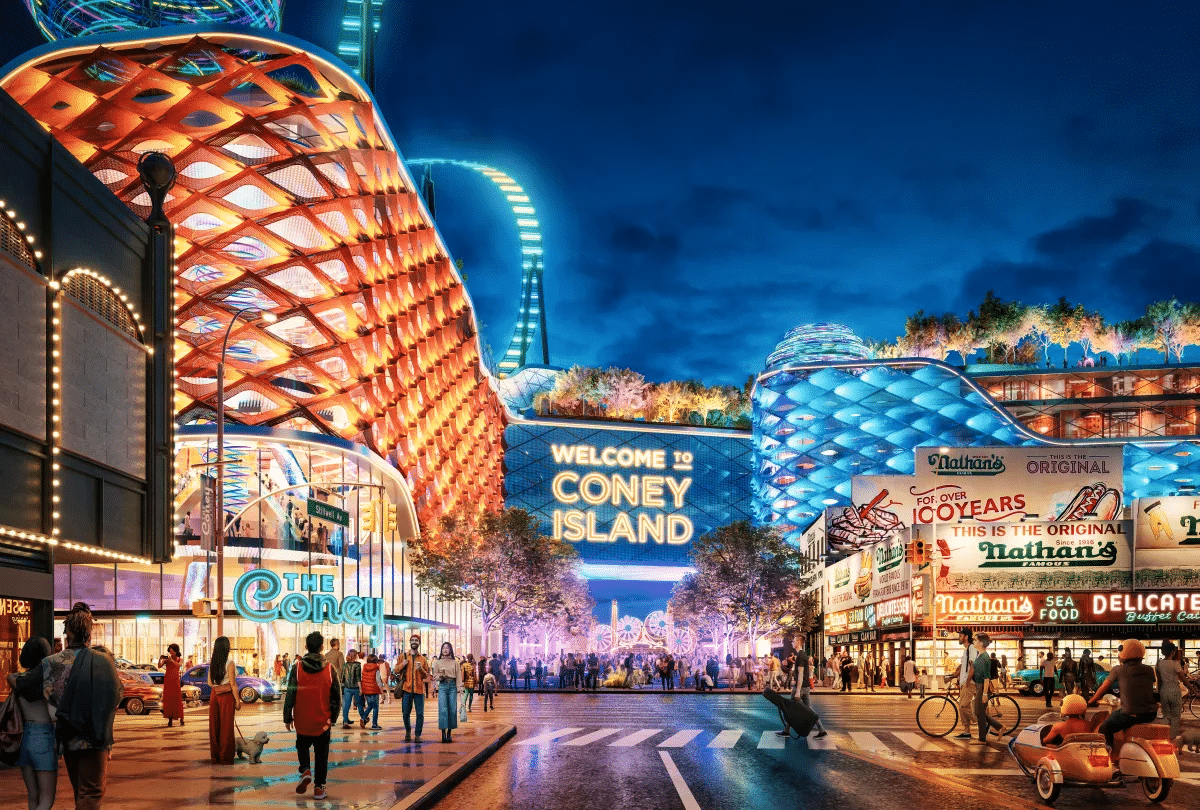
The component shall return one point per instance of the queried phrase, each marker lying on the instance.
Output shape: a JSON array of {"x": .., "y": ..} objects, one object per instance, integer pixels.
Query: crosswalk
[{"x": 878, "y": 742}]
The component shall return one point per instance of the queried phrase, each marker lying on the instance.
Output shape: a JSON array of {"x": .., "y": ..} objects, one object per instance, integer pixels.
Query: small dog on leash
[
  {"x": 253, "y": 747},
  {"x": 1189, "y": 740}
]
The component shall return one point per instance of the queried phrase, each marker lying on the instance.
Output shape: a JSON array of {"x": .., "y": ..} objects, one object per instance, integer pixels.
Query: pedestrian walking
[
  {"x": 1068, "y": 670},
  {"x": 311, "y": 704},
  {"x": 385, "y": 680},
  {"x": 448, "y": 675},
  {"x": 1048, "y": 667},
  {"x": 908, "y": 675},
  {"x": 982, "y": 677},
  {"x": 1087, "y": 675},
  {"x": 871, "y": 674},
  {"x": 350, "y": 678},
  {"x": 370, "y": 690},
  {"x": 172, "y": 688},
  {"x": 801, "y": 690},
  {"x": 223, "y": 703},
  {"x": 923, "y": 682},
  {"x": 470, "y": 679},
  {"x": 1170, "y": 686},
  {"x": 527, "y": 674},
  {"x": 83, "y": 690},
  {"x": 966, "y": 681},
  {"x": 37, "y": 758},
  {"x": 489, "y": 691},
  {"x": 335, "y": 657},
  {"x": 844, "y": 671},
  {"x": 413, "y": 675}
]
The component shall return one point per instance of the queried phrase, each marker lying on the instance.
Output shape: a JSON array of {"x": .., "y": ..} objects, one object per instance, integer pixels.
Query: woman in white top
[{"x": 447, "y": 675}]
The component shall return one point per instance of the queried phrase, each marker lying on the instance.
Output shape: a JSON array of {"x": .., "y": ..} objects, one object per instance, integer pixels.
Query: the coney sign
[{"x": 1007, "y": 484}]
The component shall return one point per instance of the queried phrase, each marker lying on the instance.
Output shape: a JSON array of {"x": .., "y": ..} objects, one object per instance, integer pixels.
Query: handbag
[{"x": 12, "y": 729}]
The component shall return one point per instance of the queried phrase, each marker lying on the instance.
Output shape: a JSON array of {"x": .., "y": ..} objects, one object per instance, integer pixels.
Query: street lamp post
[{"x": 219, "y": 528}]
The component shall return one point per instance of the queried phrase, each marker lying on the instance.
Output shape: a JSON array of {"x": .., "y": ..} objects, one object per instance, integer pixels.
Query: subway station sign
[{"x": 310, "y": 599}]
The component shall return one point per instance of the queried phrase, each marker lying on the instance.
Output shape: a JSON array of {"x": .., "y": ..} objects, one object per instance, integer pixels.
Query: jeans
[
  {"x": 469, "y": 696},
  {"x": 982, "y": 721},
  {"x": 447, "y": 705},
  {"x": 1048, "y": 688},
  {"x": 489, "y": 699},
  {"x": 320, "y": 746},
  {"x": 407, "y": 703},
  {"x": 1171, "y": 701},
  {"x": 370, "y": 708},
  {"x": 1119, "y": 721},
  {"x": 350, "y": 696},
  {"x": 87, "y": 770}
]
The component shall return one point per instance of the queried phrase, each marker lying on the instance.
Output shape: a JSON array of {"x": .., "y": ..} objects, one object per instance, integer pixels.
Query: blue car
[{"x": 250, "y": 688}]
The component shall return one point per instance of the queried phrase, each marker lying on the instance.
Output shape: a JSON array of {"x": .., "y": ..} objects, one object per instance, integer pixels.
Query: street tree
[
  {"x": 498, "y": 561},
  {"x": 566, "y": 612},
  {"x": 701, "y": 603}
]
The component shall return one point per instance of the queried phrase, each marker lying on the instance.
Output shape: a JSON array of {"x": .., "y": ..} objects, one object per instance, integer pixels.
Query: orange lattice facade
[{"x": 291, "y": 198}]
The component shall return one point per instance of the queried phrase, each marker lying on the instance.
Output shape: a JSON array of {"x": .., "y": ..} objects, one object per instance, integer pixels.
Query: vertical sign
[{"x": 208, "y": 507}]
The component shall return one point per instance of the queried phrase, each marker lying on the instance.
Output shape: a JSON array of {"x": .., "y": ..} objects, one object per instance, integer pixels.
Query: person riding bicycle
[
  {"x": 1074, "y": 711},
  {"x": 1136, "y": 682}
]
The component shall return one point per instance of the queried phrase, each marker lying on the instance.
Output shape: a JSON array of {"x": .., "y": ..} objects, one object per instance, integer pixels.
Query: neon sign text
[{"x": 311, "y": 599}]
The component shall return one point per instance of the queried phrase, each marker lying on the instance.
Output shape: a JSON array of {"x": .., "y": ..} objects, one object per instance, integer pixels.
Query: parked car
[
  {"x": 125, "y": 663},
  {"x": 141, "y": 695},
  {"x": 250, "y": 688},
  {"x": 190, "y": 694},
  {"x": 1029, "y": 681}
]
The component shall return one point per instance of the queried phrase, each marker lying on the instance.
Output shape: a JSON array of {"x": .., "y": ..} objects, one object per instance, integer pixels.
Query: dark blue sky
[{"x": 710, "y": 174}]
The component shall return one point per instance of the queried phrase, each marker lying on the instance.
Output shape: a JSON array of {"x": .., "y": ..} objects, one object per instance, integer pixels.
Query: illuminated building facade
[
  {"x": 63, "y": 19},
  {"x": 293, "y": 199},
  {"x": 819, "y": 423}
]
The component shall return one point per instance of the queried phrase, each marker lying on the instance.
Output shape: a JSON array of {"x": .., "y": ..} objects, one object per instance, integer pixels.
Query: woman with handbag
[
  {"x": 38, "y": 759},
  {"x": 222, "y": 704},
  {"x": 447, "y": 674}
]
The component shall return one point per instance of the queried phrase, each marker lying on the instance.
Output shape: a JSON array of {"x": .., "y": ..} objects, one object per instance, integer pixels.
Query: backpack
[{"x": 12, "y": 729}]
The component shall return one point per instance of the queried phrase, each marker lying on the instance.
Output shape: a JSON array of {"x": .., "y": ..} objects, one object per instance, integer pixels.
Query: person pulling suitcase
[{"x": 800, "y": 691}]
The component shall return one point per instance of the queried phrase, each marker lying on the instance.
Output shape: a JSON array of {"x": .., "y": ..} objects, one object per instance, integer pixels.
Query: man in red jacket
[{"x": 312, "y": 704}]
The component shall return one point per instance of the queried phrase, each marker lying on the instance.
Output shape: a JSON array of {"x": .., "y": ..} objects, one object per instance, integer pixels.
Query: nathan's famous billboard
[
  {"x": 874, "y": 575},
  {"x": 1078, "y": 555},
  {"x": 1166, "y": 533},
  {"x": 984, "y": 485},
  {"x": 628, "y": 495}
]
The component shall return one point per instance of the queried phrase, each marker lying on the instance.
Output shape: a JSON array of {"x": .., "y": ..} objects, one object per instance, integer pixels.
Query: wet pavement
[
  {"x": 717, "y": 751},
  {"x": 154, "y": 767}
]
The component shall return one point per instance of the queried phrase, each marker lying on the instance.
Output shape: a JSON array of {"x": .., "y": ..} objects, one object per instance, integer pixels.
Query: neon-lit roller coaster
[{"x": 532, "y": 313}]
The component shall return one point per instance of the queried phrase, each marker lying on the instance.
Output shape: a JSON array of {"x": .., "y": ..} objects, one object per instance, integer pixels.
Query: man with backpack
[{"x": 311, "y": 704}]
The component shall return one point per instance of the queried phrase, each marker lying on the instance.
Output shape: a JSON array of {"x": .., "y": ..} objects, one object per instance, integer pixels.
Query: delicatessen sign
[{"x": 1068, "y": 608}]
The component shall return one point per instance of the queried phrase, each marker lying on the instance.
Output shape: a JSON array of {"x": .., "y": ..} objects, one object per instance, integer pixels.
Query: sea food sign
[
  {"x": 994, "y": 484},
  {"x": 311, "y": 598},
  {"x": 1180, "y": 607},
  {"x": 1036, "y": 556}
]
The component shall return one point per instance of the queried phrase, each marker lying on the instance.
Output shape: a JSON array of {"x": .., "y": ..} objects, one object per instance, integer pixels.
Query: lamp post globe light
[{"x": 263, "y": 317}]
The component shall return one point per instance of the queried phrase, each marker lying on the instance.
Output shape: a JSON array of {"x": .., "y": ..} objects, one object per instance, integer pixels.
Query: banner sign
[
  {"x": 873, "y": 575},
  {"x": 1036, "y": 556},
  {"x": 891, "y": 613},
  {"x": 995, "y": 484},
  {"x": 1166, "y": 534},
  {"x": 1068, "y": 608},
  {"x": 883, "y": 506},
  {"x": 208, "y": 511}
]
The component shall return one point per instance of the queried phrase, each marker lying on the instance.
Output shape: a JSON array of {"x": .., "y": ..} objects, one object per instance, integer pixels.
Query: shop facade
[{"x": 326, "y": 518}]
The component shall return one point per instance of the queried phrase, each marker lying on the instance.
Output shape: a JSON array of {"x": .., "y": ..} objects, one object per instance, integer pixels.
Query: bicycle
[{"x": 937, "y": 715}]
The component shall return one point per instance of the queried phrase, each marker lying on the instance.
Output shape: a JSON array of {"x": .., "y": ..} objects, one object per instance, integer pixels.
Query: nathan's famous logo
[
  {"x": 840, "y": 579},
  {"x": 888, "y": 556},
  {"x": 648, "y": 491},
  {"x": 980, "y": 607},
  {"x": 965, "y": 464},
  {"x": 1091, "y": 552}
]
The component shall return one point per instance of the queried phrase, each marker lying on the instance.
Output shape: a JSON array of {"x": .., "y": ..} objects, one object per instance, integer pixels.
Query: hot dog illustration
[{"x": 1095, "y": 502}]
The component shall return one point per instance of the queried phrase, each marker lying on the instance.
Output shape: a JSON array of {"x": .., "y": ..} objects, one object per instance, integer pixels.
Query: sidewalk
[{"x": 153, "y": 766}]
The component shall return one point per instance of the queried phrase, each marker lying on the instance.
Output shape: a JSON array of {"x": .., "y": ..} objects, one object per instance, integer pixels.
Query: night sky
[{"x": 710, "y": 174}]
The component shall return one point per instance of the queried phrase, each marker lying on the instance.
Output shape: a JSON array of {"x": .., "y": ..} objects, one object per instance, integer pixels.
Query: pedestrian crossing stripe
[
  {"x": 726, "y": 739},
  {"x": 681, "y": 738}
]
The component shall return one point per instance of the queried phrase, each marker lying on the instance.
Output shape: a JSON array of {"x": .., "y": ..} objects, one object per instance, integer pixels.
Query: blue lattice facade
[{"x": 817, "y": 425}]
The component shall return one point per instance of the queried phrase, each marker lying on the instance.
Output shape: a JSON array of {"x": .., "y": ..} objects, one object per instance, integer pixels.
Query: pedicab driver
[
  {"x": 1137, "y": 692},
  {"x": 1074, "y": 709}
]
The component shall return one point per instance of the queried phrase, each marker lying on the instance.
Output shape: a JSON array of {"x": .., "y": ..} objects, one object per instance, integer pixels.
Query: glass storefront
[{"x": 273, "y": 480}]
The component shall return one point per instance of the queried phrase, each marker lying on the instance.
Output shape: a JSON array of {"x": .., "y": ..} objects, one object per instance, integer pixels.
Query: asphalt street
[{"x": 710, "y": 752}]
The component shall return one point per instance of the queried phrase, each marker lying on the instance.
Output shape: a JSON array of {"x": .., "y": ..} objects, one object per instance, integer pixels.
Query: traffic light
[
  {"x": 367, "y": 519},
  {"x": 920, "y": 552},
  {"x": 910, "y": 552},
  {"x": 390, "y": 517}
]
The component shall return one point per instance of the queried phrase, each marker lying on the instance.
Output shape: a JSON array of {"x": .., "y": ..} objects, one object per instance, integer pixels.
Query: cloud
[{"x": 1089, "y": 236}]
